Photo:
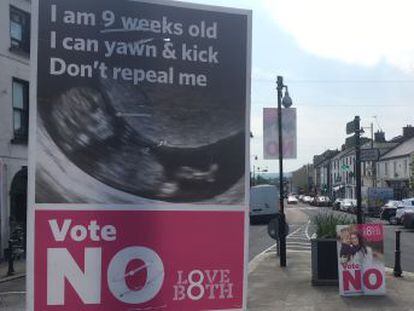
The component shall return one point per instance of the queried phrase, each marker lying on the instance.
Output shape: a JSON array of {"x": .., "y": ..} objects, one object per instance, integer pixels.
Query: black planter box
[{"x": 324, "y": 262}]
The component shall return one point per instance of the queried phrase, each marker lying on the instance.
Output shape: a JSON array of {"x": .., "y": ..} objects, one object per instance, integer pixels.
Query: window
[
  {"x": 406, "y": 167},
  {"x": 20, "y": 110},
  {"x": 386, "y": 168},
  {"x": 395, "y": 168},
  {"x": 19, "y": 30}
]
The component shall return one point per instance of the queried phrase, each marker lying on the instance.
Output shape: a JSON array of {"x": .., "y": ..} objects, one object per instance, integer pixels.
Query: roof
[
  {"x": 321, "y": 158},
  {"x": 403, "y": 149}
]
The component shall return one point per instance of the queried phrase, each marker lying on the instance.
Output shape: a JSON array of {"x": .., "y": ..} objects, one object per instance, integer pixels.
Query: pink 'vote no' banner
[{"x": 110, "y": 260}]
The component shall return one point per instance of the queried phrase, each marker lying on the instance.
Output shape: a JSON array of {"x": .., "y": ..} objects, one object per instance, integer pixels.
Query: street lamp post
[
  {"x": 253, "y": 177},
  {"x": 287, "y": 102}
]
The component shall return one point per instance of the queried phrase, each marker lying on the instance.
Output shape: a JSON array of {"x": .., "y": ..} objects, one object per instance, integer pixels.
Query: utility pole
[{"x": 372, "y": 135}]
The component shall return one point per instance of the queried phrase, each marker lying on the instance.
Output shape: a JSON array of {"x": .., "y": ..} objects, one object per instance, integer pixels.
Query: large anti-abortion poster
[
  {"x": 138, "y": 156},
  {"x": 361, "y": 267}
]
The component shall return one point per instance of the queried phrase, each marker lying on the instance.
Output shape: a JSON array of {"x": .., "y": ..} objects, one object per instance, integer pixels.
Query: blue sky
[{"x": 339, "y": 59}]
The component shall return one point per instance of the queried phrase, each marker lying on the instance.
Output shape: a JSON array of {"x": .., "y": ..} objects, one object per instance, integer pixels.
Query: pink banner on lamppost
[{"x": 271, "y": 133}]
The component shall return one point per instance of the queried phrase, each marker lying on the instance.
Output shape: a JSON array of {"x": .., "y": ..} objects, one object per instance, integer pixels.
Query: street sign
[
  {"x": 273, "y": 228},
  {"x": 351, "y": 141},
  {"x": 369, "y": 154},
  {"x": 353, "y": 126},
  {"x": 345, "y": 167}
]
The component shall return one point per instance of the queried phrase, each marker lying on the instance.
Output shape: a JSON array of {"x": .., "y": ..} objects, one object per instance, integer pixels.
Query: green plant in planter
[{"x": 325, "y": 224}]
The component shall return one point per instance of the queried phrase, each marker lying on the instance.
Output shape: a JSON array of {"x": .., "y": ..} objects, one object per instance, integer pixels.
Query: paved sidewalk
[
  {"x": 19, "y": 268},
  {"x": 290, "y": 289}
]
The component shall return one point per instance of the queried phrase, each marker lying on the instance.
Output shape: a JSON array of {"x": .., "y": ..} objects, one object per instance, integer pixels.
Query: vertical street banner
[
  {"x": 361, "y": 266},
  {"x": 139, "y": 141},
  {"x": 271, "y": 133}
]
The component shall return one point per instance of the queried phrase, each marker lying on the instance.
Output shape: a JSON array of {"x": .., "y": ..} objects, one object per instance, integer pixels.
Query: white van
[{"x": 264, "y": 202}]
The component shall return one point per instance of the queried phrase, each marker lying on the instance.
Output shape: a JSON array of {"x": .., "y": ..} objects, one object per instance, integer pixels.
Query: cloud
[{"x": 353, "y": 31}]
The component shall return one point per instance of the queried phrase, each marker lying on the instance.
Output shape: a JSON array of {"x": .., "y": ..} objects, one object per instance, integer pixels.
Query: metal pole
[
  {"x": 254, "y": 176},
  {"x": 397, "y": 262},
  {"x": 358, "y": 169},
  {"x": 372, "y": 135},
  {"x": 282, "y": 236},
  {"x": 10, "y": 270}
]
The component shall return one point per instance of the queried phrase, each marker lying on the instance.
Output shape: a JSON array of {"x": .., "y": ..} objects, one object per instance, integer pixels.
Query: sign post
[
  {"x": 138, "y": 168},
  {"x": 353, "y": 127},
  {"x": 370, "y": 154}
]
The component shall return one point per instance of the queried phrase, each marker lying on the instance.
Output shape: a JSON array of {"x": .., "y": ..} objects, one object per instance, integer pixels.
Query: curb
[
  {"x": 12, "y": 277},
  {"x": 268, "y": 252},
  {"x": 404, "y": 273}
]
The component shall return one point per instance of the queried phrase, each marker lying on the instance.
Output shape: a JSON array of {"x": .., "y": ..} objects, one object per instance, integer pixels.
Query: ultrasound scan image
[
  {"x": 110, "y": 140},
  {"x": 145, "y": 142}
]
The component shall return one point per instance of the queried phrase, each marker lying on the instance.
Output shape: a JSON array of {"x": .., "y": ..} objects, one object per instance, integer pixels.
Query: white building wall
[{"x": 393, "y": 169}]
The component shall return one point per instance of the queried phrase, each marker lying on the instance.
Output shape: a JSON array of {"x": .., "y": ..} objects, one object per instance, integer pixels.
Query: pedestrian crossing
[{"x": 298, "y": 240}]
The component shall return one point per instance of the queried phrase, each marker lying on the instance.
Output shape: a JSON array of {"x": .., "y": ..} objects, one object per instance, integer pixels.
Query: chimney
[
  {"x": 408, "y": 131},
  {"x": 379, "y": 137}
]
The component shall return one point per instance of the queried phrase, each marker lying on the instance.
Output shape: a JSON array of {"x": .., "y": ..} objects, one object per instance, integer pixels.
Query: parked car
[
  {"x": 408, "y": 219},
  {"x": 337, "y": 203},
  {"x": 264, "y": 202},
  {"x": 307, "y": 199},
  {"x": 301, "y": 197},
  {"x": 406, "y": 206},
  {"x": 292, "y": 200},
  {"x": 348, "y": 205},
  {"x": 389, "y": 209},
  {"x": 322, "y": 201},
  {"x": 373, "y": 198}
]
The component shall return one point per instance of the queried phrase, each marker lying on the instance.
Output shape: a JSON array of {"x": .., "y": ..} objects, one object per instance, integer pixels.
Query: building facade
[
  {"x": 14, "y": 115},
  {"x": 343, "y": 173},
  {"x": 395, "y": 169},
  {"x": 343, "y": 167},
  {"x": 322, "y": 172}
]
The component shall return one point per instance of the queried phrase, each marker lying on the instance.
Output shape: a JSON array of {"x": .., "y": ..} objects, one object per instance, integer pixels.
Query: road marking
[
  {"x": 298, "y": 251},
  {"x": 307, "y": 230},
  {"x": 300, "y": 240},
  {"x": 298, "y": 243},
  {"x": 255, "y": 261},
  {"x": 308, "y": 208},
  {"x": 13, "y": 293}
]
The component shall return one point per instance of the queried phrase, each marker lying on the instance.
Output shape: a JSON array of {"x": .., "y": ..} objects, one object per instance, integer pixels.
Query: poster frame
[{"x": 32, "y": 206}]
